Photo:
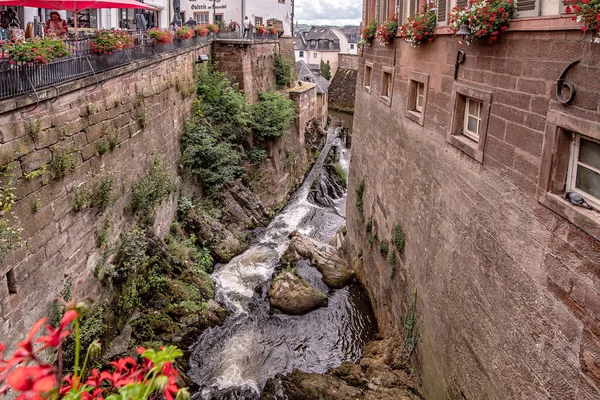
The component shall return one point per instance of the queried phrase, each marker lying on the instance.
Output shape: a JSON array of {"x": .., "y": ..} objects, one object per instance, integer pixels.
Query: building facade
[
  {"x": 307, "y": 74},
  {"x": 473, "y": 161}
]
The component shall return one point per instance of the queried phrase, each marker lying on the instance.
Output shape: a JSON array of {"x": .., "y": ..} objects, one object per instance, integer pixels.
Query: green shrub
[
  {"x": 101, "y": 194},
  {"x": 152, "y": 188},
  {"x": 223, "y": 105},
  {"x": 340, "y": 172},
  {"x": 271, "y": 116},
  {"x": 325, "y": 70},
  {"x": 102, "y": 235},
  {"x": 392, "y": 258},
  {"x": 258, "y": 155},
  {"x": 214, "y": 164},
  {"x": 36, "y": 173},
  {"x": 360, "y": 190},
  {"x": 35, "y": 206},
  {"x": 102, "y": 146},
  {"x": 283, "y": 71},
  {"x": 398, "y": 238},
  {"x": 64, "y": 159},
  {"x": 35, "y": 129},
  {"x": 81, "y": 199},
  {"x": 369, "y": 226},
  {"x": 131, "y": 255},
  {"x": 144, "y": 116},
  {"x": 384, "y": 248}
]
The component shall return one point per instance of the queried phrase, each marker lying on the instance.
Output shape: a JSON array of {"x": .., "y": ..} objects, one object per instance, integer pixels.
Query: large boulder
[
  {"x": 335, "y": 270},
  {"x": 242, "y": 210},
  {"x": 290, "y": 294}
]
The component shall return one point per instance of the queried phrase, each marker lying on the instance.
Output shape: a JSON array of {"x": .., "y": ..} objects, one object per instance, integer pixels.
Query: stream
[{"x": 234, "y": 361}]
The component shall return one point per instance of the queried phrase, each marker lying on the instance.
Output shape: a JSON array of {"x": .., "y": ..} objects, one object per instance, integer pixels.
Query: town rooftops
[
  {"x": 308, "y": 74},
  {"x": 352, "y": 32}
]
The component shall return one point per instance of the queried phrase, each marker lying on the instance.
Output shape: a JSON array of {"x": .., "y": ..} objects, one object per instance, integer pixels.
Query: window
[
  {"x": 128, "y": 18},
  {"x": 257, "y": 21},
  {"x": 11, "y": 282},
  {"x": 85, "y": 19},
  {"x": 472, "y": 119},
  {"x": 218, "y": 18},
  {"x": 368, "y": 75},
  {"x": 468, "y": 127},
  {"x": 584, "y": 169},
  {"x": 301, "y": 54},
  {"x": 282, "y": 1},
  {"x": 351, "y": 46},
  {"x": 314, "y": 55},
  {"x": 571, "y": 163},
  {"x": 418, "y": 85},
  {"x": 387, "y": 85},
  {"x": 201, "y": 17}
]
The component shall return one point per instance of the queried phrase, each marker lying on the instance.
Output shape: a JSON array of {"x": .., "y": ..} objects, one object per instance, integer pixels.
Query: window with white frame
[
  {"x": 387, "y": 84},
  {"x": 416, "y": 100},
  {"x": 351, "y": 46},
  {"x": 584, "y": 169},
  {"x": 420, "y": 97},
  {"x": 301, "y": 54},
  {"x": 314, "y": 55},
  {"x": 472, "y": 119},
  {"x": 201, "y": 17}
]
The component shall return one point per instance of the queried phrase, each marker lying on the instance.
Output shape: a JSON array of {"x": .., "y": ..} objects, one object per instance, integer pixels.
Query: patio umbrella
[{"x": 76, "y": 5}]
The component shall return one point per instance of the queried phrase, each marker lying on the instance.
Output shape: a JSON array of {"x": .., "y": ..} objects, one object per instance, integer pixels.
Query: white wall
[
  {"x": 271, "y": 9},
  {"x": 354, "y": 50},
  {"x": 343, "y": 40}
]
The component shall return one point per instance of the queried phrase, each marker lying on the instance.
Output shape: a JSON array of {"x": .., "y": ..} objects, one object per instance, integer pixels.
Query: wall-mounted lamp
[{"x": 202, "y": 58}]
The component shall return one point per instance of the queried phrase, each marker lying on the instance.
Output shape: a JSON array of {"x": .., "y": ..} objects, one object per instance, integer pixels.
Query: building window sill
[
  {"x": 386, "y": 100},
  {"x": 532, "y": 24},
  {"x": 415, "y": 116},
  {"x": 586, "y": 220},
  {"x": 367, "y": 89},
  {"x": 467, "y": 146}
]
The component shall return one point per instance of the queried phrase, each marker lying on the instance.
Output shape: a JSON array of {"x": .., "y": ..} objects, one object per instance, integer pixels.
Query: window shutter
[
  {"x": 412, "y": 5},
  {"x": 400, "y": 11},
  {"x": 461, "y": 3},
  {"x": 442, "y": 11},
  {"x": 377, "y": 3},
  {"x": 527, "y": 8}
]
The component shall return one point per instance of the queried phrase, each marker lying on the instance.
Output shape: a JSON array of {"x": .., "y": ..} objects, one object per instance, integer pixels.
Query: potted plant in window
[
  {"x": 588, "y": 13},
  {"x": 387, "y": 31},
  {"x": 368, "y": 33},
  {"x": 419, "y": 28},
  {"x": 201, "y": 30},
  {"x": 161, "y": 36},
  {"x": 483, "y": 19}
]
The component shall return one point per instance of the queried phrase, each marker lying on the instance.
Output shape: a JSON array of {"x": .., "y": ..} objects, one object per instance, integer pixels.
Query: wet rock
[
  {"x": 120, "y": 344},
  {"x": 292, "y": 295},
  {"x": 378, "y": 376},
  {"x": 324, "y": 257},
  {"x": 211, "y": 233},
  {"x": 242, "y": 209}
]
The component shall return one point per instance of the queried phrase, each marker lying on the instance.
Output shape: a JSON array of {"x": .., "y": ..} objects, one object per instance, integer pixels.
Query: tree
[{"x": 326, "y": 70}]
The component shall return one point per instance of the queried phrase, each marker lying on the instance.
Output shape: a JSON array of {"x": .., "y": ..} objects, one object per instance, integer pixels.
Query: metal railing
[{"x": 20, "y": 78}]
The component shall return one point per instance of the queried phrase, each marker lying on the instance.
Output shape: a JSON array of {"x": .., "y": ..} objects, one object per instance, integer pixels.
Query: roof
[
  {"x": 352, "y": 32},
  {"x": 299, "y": 42},
  {"x": 320, "y": 33},
  {"x": 305, "y": 72}
]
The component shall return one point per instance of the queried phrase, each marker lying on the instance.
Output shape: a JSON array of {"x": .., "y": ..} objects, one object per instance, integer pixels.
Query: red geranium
[
  {"x": 161, "y": 35},
  {"x": 201, "y": 30},
  {"x": 485, "y": 18},
  {"x": 109, "y": 41},
  {"x": 386, "y": 32},
  {"x": 586, "y": 12},
  {"x": 184, "y": 33},
  {"x": 419, "y": 28},
  {"x": 261, "y": 29}
]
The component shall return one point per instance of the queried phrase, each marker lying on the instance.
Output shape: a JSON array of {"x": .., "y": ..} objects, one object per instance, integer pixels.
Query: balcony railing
[{"x": 20, "y": 78}]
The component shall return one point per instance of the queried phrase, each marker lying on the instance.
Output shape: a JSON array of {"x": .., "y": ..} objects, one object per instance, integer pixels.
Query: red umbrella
[{"x": 76, "y": 5}]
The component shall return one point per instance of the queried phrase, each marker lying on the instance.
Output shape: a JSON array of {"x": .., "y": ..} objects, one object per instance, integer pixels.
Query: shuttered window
[
  {"x": 528, "y": 8},
  {"x": 400, "y": 10},
  {"x": 442, "y": 11},
  {"x": 412, "y": 7},
  {"x": 461, "y": 3}
]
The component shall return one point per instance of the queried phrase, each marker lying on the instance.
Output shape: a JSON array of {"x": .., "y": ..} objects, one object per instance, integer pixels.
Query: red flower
[
  {"x": 38, "y": 379},
  {"x": 171, "y": 388},
  {"x": 56, "y": 336}
]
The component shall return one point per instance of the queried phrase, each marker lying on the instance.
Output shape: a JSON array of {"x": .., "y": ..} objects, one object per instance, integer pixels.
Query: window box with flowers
[
  {"x": 484, "y": 19},
  {"x": 110, "y": 41},
  {"x": 367, "y": 33},
  {"x": 161, "y": 36},
  {"x": 212, "y": 29},
  {"x": 387, "y": 31},
  {"x": 37, "y": 51},
  {"x": 184, "y": 33},
  {"x": 201, "y": 30},
  {"x": 261, "y": 30},
  {"x": 419, "y": 28},
  {"x": 588, "y": 13}
]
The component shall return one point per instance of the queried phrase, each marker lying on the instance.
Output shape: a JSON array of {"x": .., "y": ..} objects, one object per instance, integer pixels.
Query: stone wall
[
  {"x": 348, "y": 61},
  {"x": 144, "y": 113},
  {"x": 507, "y": 287},
  {"x": 342, "y": 90},
  {"x": 251, "y": 65}
]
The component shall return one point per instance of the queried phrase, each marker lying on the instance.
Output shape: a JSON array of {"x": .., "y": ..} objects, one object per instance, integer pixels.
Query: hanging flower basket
[
  {"x": 201, "y": 30},
  {"x": 109, "y": 41},
  {"x": 387, "y": 31},
  {"x": 368, "y": 33},
  {"x": 161, "y": 36},
  {"x": 184, "y": 33},
  {"x": 261, "y": 30},
  {"x": 37, "y": 51},
  {"x": 484, "y": 18},
  {"x": 586, "y": 12},
  {"x": 419, "y": 28}
]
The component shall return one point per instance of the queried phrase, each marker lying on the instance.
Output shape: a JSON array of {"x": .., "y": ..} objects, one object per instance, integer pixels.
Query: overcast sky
[{"x": 328, "y": 12}]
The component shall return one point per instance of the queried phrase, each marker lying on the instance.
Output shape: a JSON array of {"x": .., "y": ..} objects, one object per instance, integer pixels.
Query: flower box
[
  {"x": 586, "y": 12},
  {"x": 419, "y": 28},
  {"x": 484, "y": 18}
]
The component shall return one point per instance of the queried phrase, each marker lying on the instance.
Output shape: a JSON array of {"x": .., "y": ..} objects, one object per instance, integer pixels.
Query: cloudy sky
[{"x": 328, "y": 12}]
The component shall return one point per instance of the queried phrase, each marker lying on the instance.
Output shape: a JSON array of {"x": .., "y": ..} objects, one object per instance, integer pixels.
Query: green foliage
[
  {"x": 131, "y": 254},
  {"x": 64, "y": 159},
  {"x": 102, "y": 235},
  {"x": 10, "y": 237},
  {"x": 360, "y": 190},
  {"x": 369, "y": 226},
  {"x": 81, "y": 199},
  {"x": 101, "y": 193},
  {"x": 113, "y": 139},
  {"x": 283, "y": 71},
  {"x": 392, "y": 258},
  {"x": 35, "y": 206},
  {"x": 398, "y": 238},
  {"x": 152, "y": 188},
  {"x": 271, "y": 116},
  {"x": 258, "y": 155},
  {"x": 340, "y": 172},
  {"x": 144, "y": 116},
  {"x": 213, "y": 163},
  {"x": 384, "y": 248},
  {"x": 91, "y": 109},
  {"x": 35, "y": 128},
  {"x": 343, "y": 230},
  {"x": 326, "y": 70},
  {"x": 411, "y": 330},
  {"x": 102, "y": 146},
  {"x": 92, "y": 327},
  {"x": 223, "y": 105},
  {"x": 36, "y": 173}
]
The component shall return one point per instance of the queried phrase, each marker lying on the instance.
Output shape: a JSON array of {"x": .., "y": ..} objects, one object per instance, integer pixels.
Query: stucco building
[
  {"x": 473, "y": 161},
  {"x": 320, "y": 43},
  {"x": 307, "y": 74}
]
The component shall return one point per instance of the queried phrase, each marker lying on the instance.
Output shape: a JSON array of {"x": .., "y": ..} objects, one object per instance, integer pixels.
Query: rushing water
[{"x": 235, "y": 360}]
